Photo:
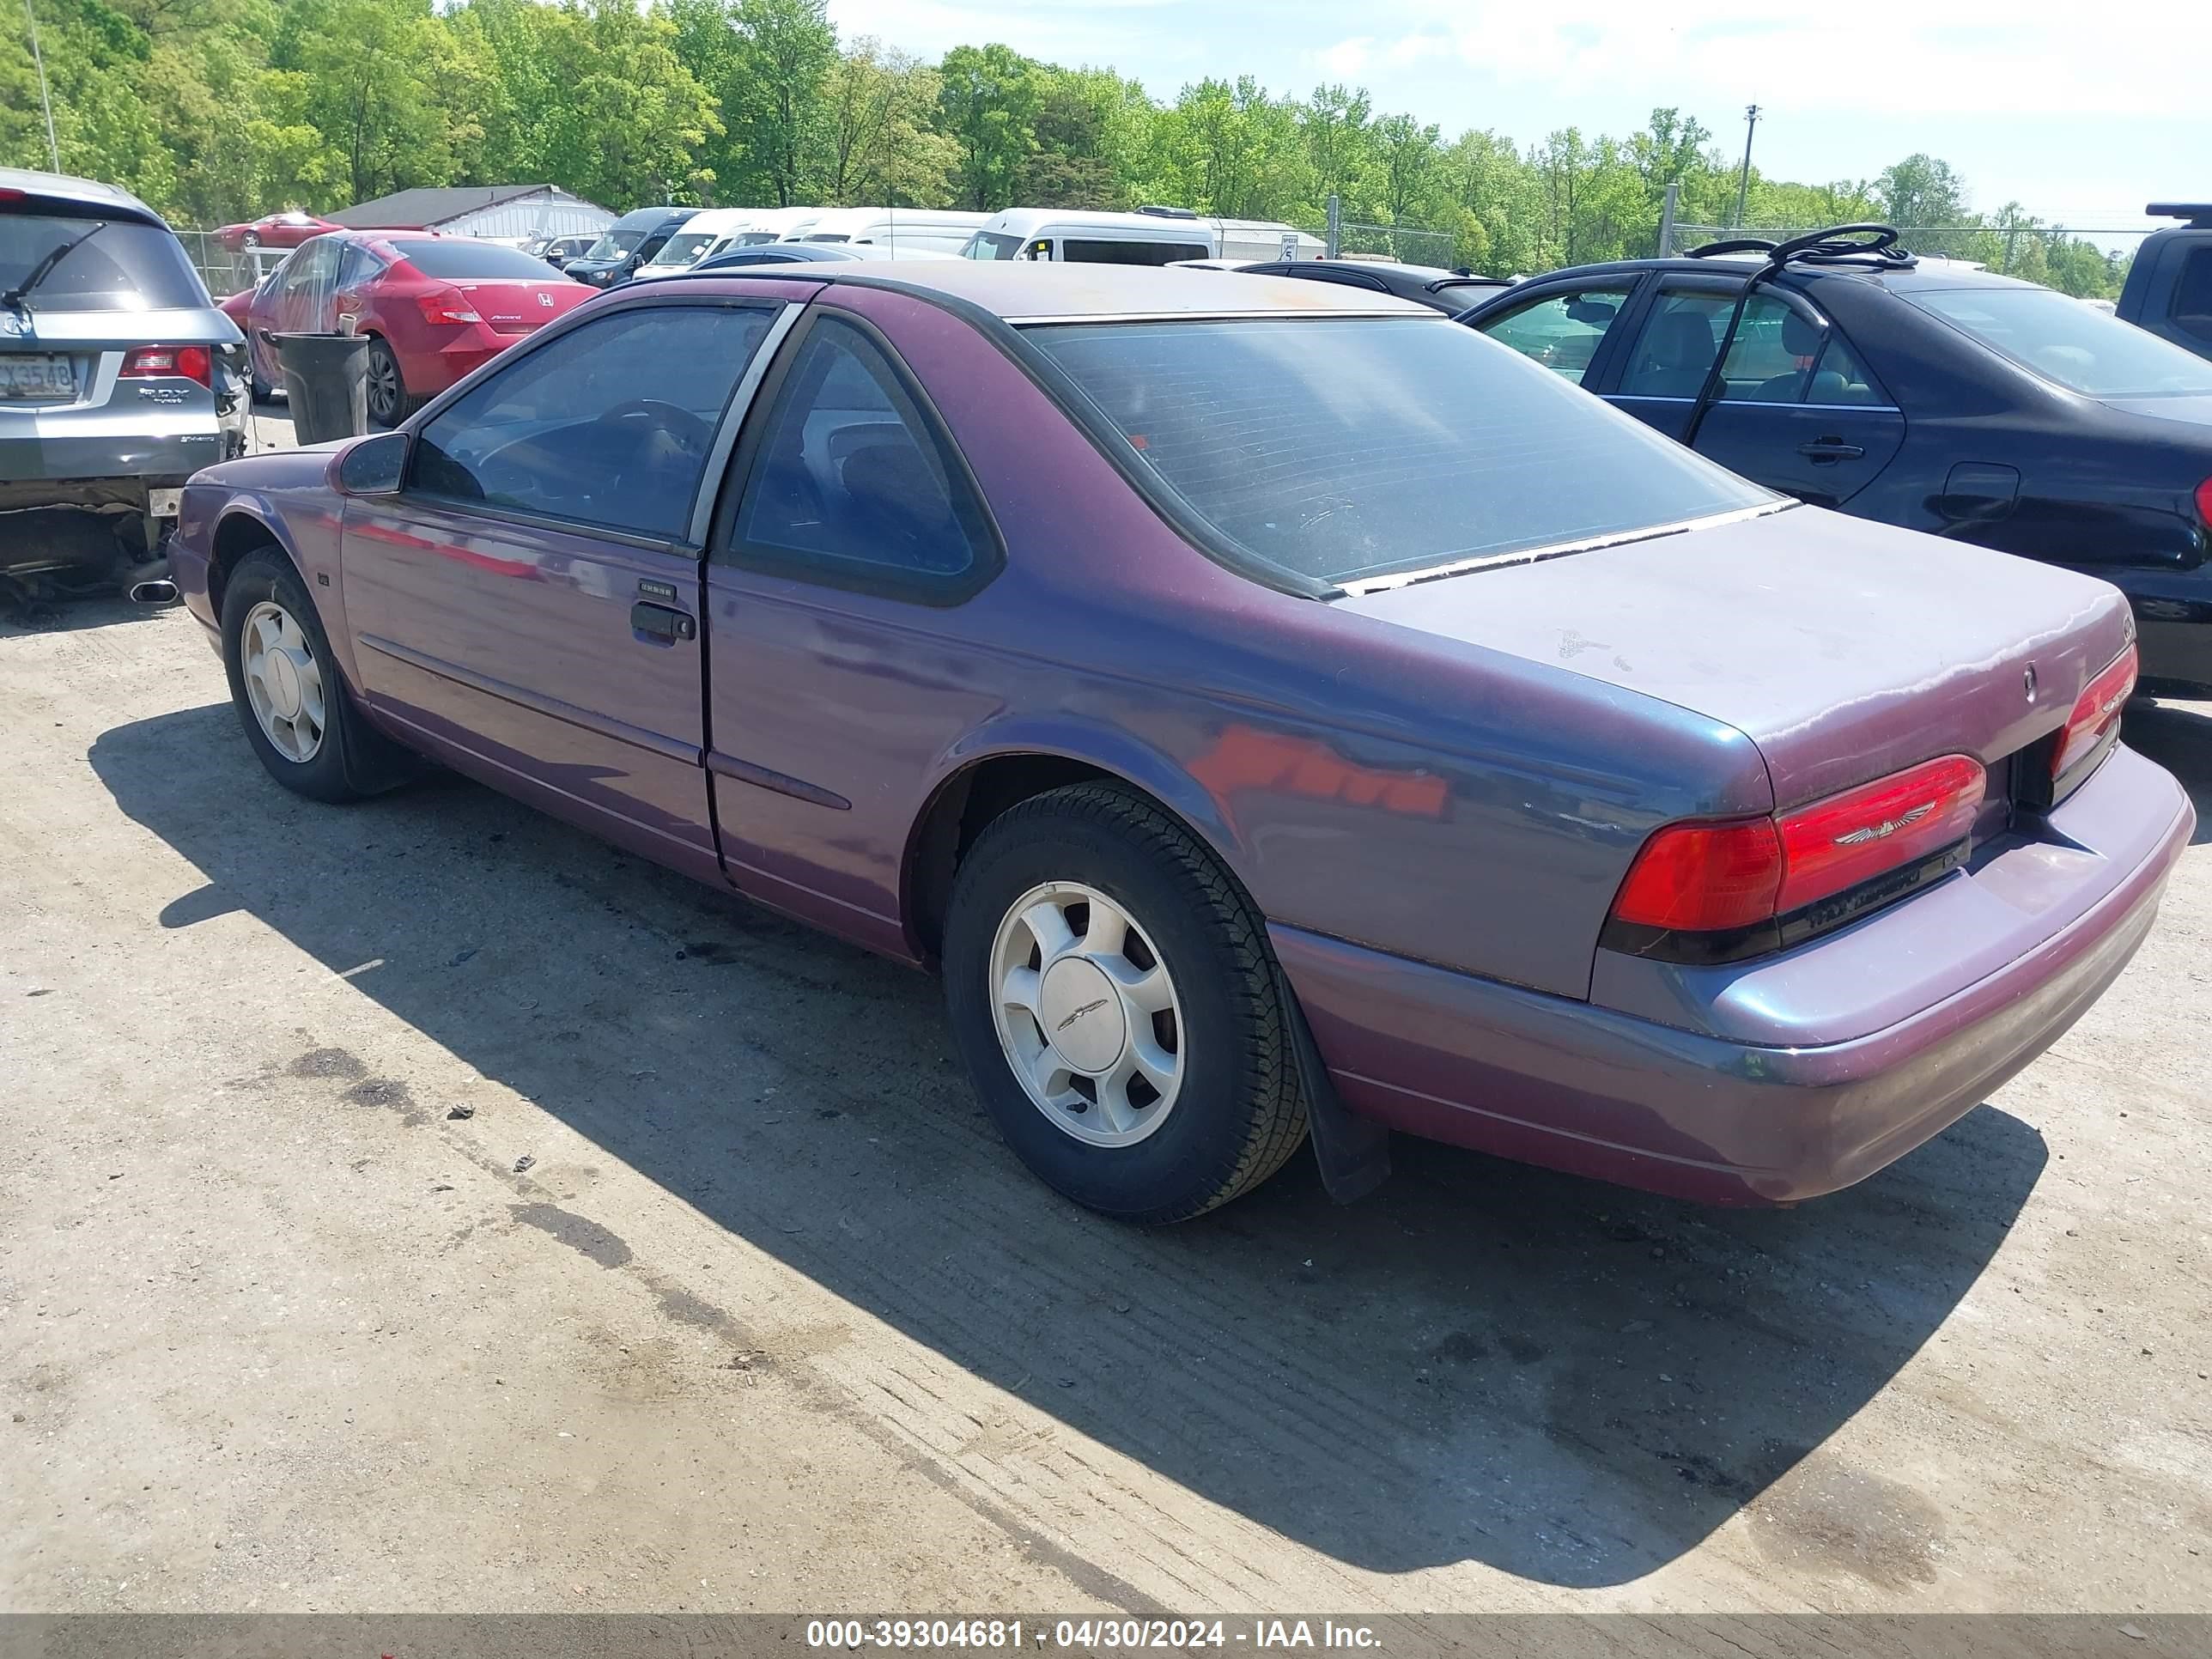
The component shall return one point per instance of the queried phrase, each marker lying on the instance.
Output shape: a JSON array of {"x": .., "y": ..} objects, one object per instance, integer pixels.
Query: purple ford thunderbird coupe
[{"x": 1273, "y": 710}]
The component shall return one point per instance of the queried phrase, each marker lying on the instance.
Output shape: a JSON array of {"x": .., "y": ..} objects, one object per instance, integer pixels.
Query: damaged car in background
[{"x": 116, "y": 385}]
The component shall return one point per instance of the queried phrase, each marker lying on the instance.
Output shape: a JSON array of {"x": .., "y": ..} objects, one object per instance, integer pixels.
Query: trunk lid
[
  {"x": 521, "y": 306},
  {"x": 1845, "y": 650}
]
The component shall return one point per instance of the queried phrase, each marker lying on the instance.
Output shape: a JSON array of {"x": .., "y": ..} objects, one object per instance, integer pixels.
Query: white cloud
[
  {"x": 1346, "y": 60},
  {"x": 1911, "y": 58}
]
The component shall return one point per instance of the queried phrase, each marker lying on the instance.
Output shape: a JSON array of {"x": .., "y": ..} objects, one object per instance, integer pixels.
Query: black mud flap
[{"x": 1353, "y": 1151}]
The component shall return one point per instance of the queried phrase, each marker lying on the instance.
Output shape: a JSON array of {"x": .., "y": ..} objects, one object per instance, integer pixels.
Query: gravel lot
[{"x": 422, "y": 1207}]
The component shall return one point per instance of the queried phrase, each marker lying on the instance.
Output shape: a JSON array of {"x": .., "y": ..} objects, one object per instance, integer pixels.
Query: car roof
[
  {"x": 65, "y": 189},
  {"x": 1020, "y": 292},
  {"x": 1925, "y": 275}
]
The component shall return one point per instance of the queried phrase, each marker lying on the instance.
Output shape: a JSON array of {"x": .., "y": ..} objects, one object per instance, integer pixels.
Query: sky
[{"x": 2040, "y": 101}]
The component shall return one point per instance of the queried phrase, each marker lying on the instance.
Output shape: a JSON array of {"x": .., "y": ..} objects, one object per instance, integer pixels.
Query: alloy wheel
[
  {"x": 1087, "y": 1014},
  {"x": 283, "y": 681}
]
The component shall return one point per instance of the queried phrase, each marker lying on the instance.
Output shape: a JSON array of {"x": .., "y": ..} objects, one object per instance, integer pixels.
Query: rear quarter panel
[{"x": 1435, "y": 800}]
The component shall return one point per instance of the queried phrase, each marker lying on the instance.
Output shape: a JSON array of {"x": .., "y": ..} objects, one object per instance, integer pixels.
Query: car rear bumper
[
  {"x": 432, "y": 371},
  {"x": 1549, "y": 1080}
]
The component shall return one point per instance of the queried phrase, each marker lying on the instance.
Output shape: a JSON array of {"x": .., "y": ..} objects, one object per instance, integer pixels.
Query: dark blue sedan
[{"x": 1920, "y": 393}]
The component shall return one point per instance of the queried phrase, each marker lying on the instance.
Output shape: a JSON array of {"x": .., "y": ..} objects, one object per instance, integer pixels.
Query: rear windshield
[
  {"x": 1339, "y": 449},
  {"x": 457, "y": 256},
  {"x": 128, "y": 266},
  {"x": 2083, "y": 349}
]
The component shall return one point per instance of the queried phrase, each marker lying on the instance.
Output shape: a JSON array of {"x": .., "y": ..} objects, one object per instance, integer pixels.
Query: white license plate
[{"x": 46, "y": 378}]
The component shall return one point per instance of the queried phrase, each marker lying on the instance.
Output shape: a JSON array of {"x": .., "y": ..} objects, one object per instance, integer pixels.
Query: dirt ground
[{"x": 420, "y": 1206}]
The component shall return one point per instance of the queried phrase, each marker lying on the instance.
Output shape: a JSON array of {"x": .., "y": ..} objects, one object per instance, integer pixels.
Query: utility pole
[
  {"x": 54, "y": 148},
  {"x": 1743, "y": 179},
  {"x": 1667, "y": 220}
]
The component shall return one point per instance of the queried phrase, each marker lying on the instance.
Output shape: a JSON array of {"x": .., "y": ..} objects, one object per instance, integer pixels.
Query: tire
[
  {"x": 1233, "y": 1112},
  {"x": 389, "y": 402},
  {"x": 252, "y": 239},
  {"x": 346, "y": 761}
]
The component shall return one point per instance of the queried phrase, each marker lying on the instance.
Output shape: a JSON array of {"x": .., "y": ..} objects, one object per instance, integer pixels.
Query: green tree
[
  {"x": 987, "y": 102},
  {"x": 1920, "y": 190},
  {"x": 882, "y": 147}
]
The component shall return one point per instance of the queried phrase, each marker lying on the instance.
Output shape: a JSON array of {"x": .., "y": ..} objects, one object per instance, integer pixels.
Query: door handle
[
  {"x": 661, "y": 622},
  {"x": 1824, "y": 451}
]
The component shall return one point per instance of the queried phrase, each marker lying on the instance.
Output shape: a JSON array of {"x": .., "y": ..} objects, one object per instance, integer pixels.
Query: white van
[
  {"x": 719, "y": 229},
  {"x": 1150, "y": 236},
  {"x": 930, "y": 230}
]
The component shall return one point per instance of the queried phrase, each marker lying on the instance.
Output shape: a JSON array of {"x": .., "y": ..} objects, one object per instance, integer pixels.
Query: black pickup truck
[{"x": 2169, "y": 288}]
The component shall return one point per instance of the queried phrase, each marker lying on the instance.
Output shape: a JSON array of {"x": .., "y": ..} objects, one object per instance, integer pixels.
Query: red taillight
[
  {"x": 1852, "y": 837},
  {"x": 2204, "y": 501},
  {"x": 168, "y": 363},
  {"x": 1703, "y": 878},
  {"x": 446, "y": 304},
  {"x": 2096, "y": 711},
  {"x": 1727, "y": 877}
]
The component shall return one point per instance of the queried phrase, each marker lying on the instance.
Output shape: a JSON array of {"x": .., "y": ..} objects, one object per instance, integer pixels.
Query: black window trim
[
  {"x": 515, "y": 355},
  {"x": 1715, "y": 282},
  {"x": 817, "y": 570}
]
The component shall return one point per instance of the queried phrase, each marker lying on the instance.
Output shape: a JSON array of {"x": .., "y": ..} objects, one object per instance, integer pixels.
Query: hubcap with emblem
[
  {"x": 1087, "y": 1014},
  {"x": 283, "y": 681}
]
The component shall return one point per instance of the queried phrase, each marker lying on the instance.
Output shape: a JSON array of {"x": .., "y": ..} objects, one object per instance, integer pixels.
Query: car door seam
[{"x": 535, "y": 702}]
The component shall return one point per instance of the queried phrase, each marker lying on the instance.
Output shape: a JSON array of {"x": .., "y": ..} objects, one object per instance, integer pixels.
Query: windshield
[
  {"x": 127, "y": 266},
  {"x": 991, "y": 244},
  {"x": 1346, "y": 448},
  {"x": 615, "y": 244},
  {"x": 2082, "y": 349},
  {"x": 458, "y": 257},
  {"x": 683, "y": 248}
]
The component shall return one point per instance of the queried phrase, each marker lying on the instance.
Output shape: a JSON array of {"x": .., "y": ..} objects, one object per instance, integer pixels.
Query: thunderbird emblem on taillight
[{"x": 1887, "y": 828}]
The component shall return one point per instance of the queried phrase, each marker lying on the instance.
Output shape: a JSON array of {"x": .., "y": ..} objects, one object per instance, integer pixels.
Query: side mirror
[{"x": 373, "y": 466}]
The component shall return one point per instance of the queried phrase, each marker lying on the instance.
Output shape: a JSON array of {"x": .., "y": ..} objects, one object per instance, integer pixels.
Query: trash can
[{"x": 326, "y": 379}]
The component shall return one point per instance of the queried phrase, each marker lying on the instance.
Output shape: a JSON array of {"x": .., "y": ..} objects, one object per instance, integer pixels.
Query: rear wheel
[
  {"x": 387, "y": 387},
  {"x": 1117, "y": 1005},
  {"x": 290, "y": 694}
]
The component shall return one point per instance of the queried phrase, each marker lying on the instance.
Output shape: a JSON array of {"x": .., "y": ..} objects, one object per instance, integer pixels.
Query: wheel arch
[
  {"x": 237, "y": 532},
  {"x": 988, "y": 779}
]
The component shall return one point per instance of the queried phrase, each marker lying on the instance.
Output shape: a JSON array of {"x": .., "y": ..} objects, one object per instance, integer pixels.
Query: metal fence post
[
  {"x": 1335, "y": 223},
  {"x": 1667, "y": 220}
]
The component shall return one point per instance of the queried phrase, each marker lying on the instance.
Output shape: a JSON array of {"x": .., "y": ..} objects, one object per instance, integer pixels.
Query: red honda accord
[{"x": 434, "y": 307}]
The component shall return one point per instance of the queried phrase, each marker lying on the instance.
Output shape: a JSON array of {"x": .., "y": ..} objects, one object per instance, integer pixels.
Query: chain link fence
[{"x": 228, "y": 271}]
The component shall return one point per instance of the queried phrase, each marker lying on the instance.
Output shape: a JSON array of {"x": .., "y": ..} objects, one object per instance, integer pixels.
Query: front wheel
[
  {"x": 286, "y": 685},
  {"x": 1114, "y": 999}
]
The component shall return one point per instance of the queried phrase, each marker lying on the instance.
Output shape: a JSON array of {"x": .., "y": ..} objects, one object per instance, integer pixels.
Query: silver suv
[{"x": 117, "y": 381}]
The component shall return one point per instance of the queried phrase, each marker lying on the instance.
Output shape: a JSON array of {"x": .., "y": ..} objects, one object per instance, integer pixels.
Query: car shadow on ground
[
  {"x": 2178, "y": 737},
  {"x": 70, "y": 616},
  {"x": 1564, "y": 1380}
]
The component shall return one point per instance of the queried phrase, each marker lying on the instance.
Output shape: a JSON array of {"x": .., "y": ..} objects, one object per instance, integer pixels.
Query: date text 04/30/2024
[{"x": 1087, "y": 1634}]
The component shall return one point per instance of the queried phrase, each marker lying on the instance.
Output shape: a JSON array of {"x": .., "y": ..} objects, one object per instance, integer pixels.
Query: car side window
[
  {"x": 1561, "y": 331},
  {"x": 1774, "y": 344},
  {"x": 851, "y": 480},
  {"x": 1838, "y": 376},
  {"x": 1781, "y": 355},
  {"x": 2192, "y": 311},
  {"x": 357, "y": 265},
  {"x": 608, "y": 425},
  {"x": 309, "y": 270}
]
